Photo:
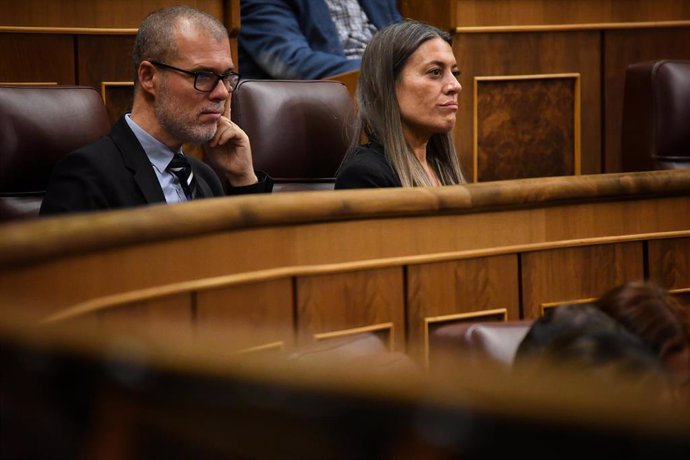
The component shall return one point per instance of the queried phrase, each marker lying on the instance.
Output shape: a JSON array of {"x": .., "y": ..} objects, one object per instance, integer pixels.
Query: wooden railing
[{"x": 297, "y": 268}]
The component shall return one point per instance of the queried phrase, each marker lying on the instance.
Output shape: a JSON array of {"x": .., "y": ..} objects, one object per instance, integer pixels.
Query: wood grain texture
[
  {"x": 526, "y": 127},
  {"x": 554, "y": 12},
  {"x": 493, "y": 55},
  {"x": 331, "y": 303},
  {"x": 118, "y": 99},
  {"x": 669, "y": 262},
  {"x": 573, "y": 274},
  {"x": 263, "y": 312},
  {"x": 104, "y": 58},
  {"x": 440, "y": 13},
  {"x": 100, "y": 36},
  {"x": 91, "y": 14},
  {"x": 150, "y": 317},
  {"x": 464, "y": 286},
  {"x": 37, "y": 58},
  {"x": 232, "y": 218}
]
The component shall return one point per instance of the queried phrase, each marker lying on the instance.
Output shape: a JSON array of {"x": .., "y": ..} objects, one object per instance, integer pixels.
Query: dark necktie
[{"x": 181, "y": 168}]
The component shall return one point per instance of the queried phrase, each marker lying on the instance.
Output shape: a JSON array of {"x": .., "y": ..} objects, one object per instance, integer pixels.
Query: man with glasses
[{"x": 182, "y": 85}]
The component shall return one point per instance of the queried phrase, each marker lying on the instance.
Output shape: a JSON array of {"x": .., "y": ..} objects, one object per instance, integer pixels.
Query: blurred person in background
[{"x": 308, "y": 39}]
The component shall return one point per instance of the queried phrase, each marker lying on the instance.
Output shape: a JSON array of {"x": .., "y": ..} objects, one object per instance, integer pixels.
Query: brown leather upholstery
[
  {"x": 38, "y": 127},
  {"x": 365, "y": 351},
  {"x": 656, "y": 116},
  {"x": 299, "y": 129},
  {"x": 497, "y": 341}
]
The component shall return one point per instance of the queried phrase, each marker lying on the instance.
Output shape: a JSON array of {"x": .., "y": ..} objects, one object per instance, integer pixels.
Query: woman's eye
[{"x": 435, "y": 72}]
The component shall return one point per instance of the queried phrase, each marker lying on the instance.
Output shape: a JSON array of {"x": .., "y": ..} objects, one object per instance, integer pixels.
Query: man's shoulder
[{"x": 99, "y": 154}]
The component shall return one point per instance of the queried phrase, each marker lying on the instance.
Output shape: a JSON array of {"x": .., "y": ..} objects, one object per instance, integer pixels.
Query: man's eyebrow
[{"x": 209, "y": 69}]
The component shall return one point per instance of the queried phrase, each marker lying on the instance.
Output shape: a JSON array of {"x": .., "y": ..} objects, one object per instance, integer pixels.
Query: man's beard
[{"x": 183, "y": 126}]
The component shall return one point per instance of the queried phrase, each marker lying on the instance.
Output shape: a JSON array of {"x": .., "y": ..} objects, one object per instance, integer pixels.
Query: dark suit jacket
[
  {"x": 114, "y": 172},
  {"x": 367, "y": 168}
]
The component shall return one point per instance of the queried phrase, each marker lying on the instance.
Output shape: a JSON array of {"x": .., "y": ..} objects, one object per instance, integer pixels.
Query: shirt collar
[{"x": 158, "y": 153}]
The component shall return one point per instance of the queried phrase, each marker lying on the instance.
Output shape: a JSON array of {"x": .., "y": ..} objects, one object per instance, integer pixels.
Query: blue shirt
[{"x": 160, "y": 157}]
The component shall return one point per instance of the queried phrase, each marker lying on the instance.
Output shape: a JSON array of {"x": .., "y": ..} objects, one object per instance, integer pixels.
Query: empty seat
[
  {"x": 496, "y": 341},
  {"x": 299, "y": 129},
  {"x": 656, "y": 116},
  {"x": 364, "y": 350},
  {"x": 39, "y": 125}
]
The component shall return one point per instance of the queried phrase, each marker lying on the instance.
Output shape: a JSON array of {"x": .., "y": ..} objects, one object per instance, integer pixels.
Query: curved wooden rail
[
  {"x": 309, "y": 265},
  {"x": 22, "y": 243}
]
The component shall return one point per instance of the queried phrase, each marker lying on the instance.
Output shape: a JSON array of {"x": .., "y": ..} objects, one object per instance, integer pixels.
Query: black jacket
[
  {"x": 114, "y": 172},
  {"x": 367, "y": 168}
]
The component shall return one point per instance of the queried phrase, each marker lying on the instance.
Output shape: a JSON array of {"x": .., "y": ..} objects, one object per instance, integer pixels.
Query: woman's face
[{"x": 427, "y": 90}]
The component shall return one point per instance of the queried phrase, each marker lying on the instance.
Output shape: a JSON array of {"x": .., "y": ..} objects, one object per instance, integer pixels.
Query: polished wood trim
[
  {"x": 547, "y": 305},
  {"x": 468, "y": 315},
  {"x": 28, "y": 83},
  {"x": 278, "y": 345},
  {"x": 572, "y": 27},
  {"x": 123, "y": 298},
  {"x": 453, "y": 318},
  {"x": 231, "y": 17},
  {"x": 577, "y": 115},
  {"x": 361, "y": 330},
  {"x": 106, "y": 84},
  {"x": 45, "y": 239},
  {"x": 68, "y": 30}
]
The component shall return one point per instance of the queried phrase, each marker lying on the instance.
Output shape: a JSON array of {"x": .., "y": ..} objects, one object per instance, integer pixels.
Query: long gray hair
[{"x": 379, "y": 113}]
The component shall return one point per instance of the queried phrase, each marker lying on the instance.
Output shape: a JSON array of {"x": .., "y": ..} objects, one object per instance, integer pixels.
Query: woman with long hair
[{"x": 407, "y": 100}]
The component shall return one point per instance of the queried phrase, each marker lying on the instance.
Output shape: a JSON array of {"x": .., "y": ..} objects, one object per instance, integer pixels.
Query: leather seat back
[
  {"x": 656, "y": 116},
  {"x": 39, "y": 125},
  {"x": 299, "y": 129}
]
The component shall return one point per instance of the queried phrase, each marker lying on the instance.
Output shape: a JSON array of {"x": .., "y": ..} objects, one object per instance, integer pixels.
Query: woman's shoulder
[
  {"x": 367, "y": 167},
  {"x": 369, "y": 152}
]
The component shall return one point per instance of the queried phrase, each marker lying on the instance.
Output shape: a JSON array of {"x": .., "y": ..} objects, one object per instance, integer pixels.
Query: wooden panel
[
  {"x": 491, "y": 55},
  {"x": 526, "y": 126},
  {"x": 263, "y": 311},
  {"x": 440, "y": 13},
  {"x": 90, "y": 13},
  {"x": 154, "y": 317},
  {"x": 37, "y": 58},
  {"x": 669, "y": 262},
  {"x": 622, "y": 48},
  {"x": 331, "y": 303},
  {"x": 463, "y": 286},
  {"x": 564, "y": 275},
  {"x": 107, "y": 58},
  {"x": 118, "y": 98},
  {"x": 472, "y": 13}
]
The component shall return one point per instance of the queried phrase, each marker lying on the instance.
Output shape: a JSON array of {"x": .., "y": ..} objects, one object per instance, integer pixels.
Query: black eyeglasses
[{"x": 205, "y": 80}]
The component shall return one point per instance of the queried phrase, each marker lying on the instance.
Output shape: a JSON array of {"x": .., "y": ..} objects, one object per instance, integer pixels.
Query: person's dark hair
[
  {"x": 651, "y": 313},
  {"x": 379, "y": 112},
  {"x": 155, "y": 40},
  {"x": 583, "y": 337}
]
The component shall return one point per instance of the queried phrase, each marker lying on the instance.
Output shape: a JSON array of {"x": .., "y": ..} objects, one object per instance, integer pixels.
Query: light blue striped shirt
[{"x": 160, "y": 157}]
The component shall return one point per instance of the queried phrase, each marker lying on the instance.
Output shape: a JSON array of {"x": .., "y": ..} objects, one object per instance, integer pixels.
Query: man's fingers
[{"x": 226, "y": 131}]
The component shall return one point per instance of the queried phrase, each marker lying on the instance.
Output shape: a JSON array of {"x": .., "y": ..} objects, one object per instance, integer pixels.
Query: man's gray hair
[{"x": 155, "y": 39}]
